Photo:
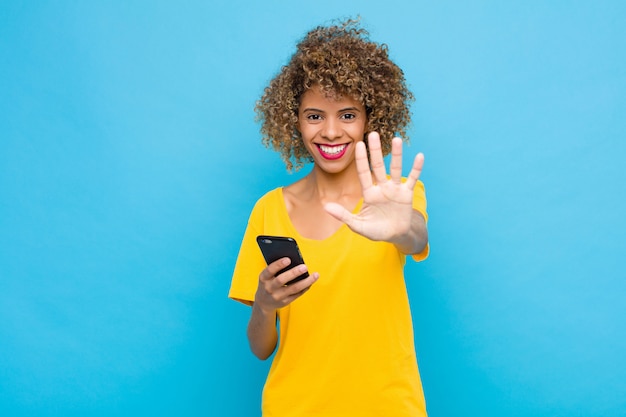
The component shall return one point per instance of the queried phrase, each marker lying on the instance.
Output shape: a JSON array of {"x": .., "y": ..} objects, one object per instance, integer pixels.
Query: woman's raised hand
[{"x": 387, "y": 212}]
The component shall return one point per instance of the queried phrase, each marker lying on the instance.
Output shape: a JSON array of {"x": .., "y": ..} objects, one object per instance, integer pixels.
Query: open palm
[{"x": 387, "y": 200}]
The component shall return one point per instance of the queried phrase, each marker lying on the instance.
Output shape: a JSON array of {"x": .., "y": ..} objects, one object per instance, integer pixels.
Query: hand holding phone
[{"x": 276, "y": 247}]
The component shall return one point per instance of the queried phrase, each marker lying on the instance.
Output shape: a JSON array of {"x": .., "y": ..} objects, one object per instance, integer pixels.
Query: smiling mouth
[{"x": 332, "y": 151}]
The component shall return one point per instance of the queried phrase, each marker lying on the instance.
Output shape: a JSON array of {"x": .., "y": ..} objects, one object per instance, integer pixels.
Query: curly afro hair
[{"x": 342, "y": 61}]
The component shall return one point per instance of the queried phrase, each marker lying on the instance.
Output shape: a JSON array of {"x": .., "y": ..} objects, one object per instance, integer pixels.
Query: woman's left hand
[{"x": 387, "y": 213}]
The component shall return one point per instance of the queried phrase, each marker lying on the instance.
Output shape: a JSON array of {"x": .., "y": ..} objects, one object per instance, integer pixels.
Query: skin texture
[{"x": 322, "y": 201}]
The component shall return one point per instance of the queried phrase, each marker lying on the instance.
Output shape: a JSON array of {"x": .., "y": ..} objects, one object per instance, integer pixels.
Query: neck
[{"x": 335, "y": 186}]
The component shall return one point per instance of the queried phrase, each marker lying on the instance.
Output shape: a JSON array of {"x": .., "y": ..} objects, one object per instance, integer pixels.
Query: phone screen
[{"x": 276, "y": 247}]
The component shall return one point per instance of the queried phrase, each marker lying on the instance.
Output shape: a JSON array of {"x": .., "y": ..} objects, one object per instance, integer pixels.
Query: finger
[
  {"x": 292, "y": 297},
  {"x": 272, "y": 269},
  {"x": 300, "y": 287},
  {"x": 295, "y": 290},
  {"x": 376, "y": 157},
  {"x": 363, "y": 166},
  {"x": 290, "y": 275},
  {"x": 339, "y": 212},
  {"x": 395, "y": 168},
  {"x": 416, "y": 171}
]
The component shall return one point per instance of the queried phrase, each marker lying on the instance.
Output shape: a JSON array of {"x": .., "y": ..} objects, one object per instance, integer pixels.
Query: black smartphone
[{"x": 276, "y": 247}]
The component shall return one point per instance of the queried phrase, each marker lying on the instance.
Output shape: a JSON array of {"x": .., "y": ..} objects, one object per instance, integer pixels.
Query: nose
[{"x": 331, "y": 130}]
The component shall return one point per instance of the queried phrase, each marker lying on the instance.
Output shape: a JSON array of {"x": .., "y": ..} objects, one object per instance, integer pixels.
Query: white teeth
[{"x": 332, "y": 150}]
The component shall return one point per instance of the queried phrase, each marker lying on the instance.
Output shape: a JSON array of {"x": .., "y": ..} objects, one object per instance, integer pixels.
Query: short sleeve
[{"x": 250, "y": 261}]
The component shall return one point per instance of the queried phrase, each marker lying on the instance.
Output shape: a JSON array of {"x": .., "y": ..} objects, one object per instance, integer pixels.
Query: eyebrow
[{"x": 340, "y": 110}]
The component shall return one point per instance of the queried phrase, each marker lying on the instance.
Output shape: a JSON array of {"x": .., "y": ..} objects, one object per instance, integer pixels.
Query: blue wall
[{"x": 129, "y": 161}]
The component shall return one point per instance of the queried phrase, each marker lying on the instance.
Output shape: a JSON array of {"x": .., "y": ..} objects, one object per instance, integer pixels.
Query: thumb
[
  {"x": 338, "y": 212},
  {"x": 351, "y": 220}
]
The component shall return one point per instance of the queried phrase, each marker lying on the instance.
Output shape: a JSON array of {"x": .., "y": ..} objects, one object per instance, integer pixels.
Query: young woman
[{"x": 343, "y": 336}]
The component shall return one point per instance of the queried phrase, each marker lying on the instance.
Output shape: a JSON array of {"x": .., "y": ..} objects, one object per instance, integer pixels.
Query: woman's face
[{"x": 330, "y": 129}]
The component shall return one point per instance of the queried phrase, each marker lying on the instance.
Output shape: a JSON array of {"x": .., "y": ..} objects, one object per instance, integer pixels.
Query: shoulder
[
  {"x": 295, "y": 193},
  {"x": 269, "y": 197},
  {"x": 296, "y": 188}
]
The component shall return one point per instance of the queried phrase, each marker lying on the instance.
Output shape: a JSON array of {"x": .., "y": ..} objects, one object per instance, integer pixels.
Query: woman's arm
[
  {"x": 272, "y": 294},
  {"x": 262, "y": 334}
]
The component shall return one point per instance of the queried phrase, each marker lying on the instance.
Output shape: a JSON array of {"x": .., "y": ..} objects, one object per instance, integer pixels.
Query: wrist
[
  {"x": 415, "y": 239},
  {"x": 263, "y": 309}
]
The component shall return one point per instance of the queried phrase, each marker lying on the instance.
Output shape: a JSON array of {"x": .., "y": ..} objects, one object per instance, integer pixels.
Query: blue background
[{"x": 130, "y": 159}]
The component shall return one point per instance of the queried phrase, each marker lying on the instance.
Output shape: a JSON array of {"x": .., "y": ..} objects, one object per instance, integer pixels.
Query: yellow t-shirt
[{"x": 346, "y": 346}]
